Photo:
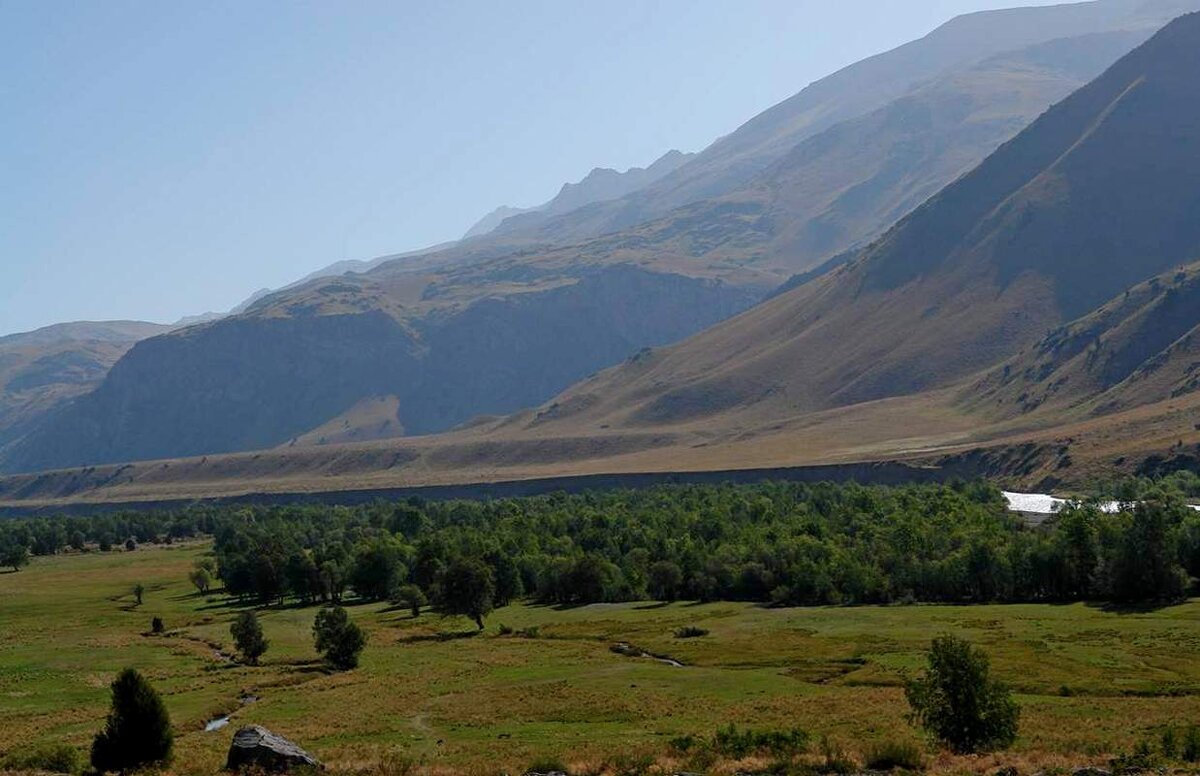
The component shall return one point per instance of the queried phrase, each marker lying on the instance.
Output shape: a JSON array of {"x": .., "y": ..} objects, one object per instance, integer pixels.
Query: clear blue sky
[{"x": 164, "y": 157}]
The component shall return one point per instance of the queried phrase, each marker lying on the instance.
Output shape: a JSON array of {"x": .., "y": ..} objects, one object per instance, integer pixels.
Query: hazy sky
[{"x": 160, "y": 158}]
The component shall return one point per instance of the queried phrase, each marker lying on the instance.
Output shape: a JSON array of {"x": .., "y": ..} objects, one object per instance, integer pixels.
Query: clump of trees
[
  {"x": 785, "y": 544},
  {"x": 957, "y": 700},
  {"x": 338, "y": 638},
  {"x": 248, "y": 636},
  {"x": 137, "y": 732}
]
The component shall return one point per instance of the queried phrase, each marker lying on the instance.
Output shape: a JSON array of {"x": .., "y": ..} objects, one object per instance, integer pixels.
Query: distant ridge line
[{"x": 867, "y": 473}]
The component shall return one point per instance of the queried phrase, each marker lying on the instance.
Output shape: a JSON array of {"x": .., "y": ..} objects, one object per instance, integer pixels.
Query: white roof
[{"x": 1043, "y": 504}]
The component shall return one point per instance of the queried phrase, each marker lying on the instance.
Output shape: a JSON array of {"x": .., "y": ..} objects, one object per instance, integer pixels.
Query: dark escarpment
[{"x": 254, "y": 382}]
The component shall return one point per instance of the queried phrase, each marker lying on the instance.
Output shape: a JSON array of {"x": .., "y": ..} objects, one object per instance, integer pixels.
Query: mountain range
[{"x": 959, "y": 276}]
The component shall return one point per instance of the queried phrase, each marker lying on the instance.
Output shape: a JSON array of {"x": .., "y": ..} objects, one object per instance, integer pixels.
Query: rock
[
  {"x": 1092, "y": 771},
  {"x": 256, "y": 746}
]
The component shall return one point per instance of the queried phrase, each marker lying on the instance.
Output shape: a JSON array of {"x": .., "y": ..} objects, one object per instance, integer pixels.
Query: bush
[
  {"x": 957, "y": 701},
  {"x": 156, "y": 625},
  {"x": 248, "y": 636},
  {"x": 337, "y": 638},
  {"x": 1141, "y": 759},
  {"x": 737, "y": 744},
  {"x": 690, "y": 632},
  {"x": 893, "y": 755},
  {"x": 138, "y": 729},
  {"x": 54, "y": 758}
]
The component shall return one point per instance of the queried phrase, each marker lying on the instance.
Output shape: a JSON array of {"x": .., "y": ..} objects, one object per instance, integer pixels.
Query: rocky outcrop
[{"x": 257, "y": 747}]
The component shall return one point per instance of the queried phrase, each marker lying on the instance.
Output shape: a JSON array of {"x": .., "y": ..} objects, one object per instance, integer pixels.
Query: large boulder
[{"x": 256, "y": 746}]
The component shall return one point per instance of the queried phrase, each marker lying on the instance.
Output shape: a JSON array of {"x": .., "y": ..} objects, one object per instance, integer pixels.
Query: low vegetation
[{"x": 811, "y": 689}]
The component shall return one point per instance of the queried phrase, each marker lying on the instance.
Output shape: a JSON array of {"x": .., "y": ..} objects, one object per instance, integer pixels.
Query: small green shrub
[
  {"x": 156, "y": 626},
  {"x": 894, "y": 755},
  {"x": 54, "y": 758},
  {"x": 505, "y": 630},
  {"x": 735, "y": 743},
  {"x": 690, "y": 632}
]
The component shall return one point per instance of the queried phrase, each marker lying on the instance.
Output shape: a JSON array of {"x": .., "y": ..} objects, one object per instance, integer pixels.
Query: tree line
[{"x": 785, "y": 544}]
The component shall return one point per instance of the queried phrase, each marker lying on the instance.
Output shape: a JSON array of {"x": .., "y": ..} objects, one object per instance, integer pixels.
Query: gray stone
[{"x": 256, "y": 746}]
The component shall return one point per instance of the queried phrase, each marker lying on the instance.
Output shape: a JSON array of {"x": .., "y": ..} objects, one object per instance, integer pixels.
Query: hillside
[
  {"x": 1097, "y": 195},
  {"x": 1141, "y": 347},
  {"x": 41, "y": 370},
  {"x": 855, "y": 91}
]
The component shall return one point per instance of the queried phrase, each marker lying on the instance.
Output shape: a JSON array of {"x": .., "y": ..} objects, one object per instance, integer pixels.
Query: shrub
[
  {"x": 337, "y": 638},
  {"x": 1190, "y": 748},
  {"x": 893, "y": 755},
  {"x": 690, "y": 632},
  {"x": 958, "y": 702},
  {"x": 138, "y": 730},
  {"x": 139, "y": 590},
  {"x": 248, "y": 636},
  {"x": 1141, "y": 759},
  {"x": 737, "y": 744},
  {"x": 156, "y": 625},
  {"x": 54, "y": 758}
]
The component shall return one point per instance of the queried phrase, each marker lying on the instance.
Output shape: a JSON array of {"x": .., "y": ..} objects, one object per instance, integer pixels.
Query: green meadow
[{"x": 1092, "y": 682}]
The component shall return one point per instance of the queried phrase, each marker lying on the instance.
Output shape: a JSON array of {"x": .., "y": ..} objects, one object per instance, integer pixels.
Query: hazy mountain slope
[
  {"x": 42, "y": 369},
  {"x": 855, "y": 91},
  {"x": 1139, "y": 348},
  {"x": 1098, "y": 194},
  {"x": 260, "y": 380}
]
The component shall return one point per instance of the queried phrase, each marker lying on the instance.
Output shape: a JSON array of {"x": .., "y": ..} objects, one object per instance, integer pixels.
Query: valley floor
[{"x": 1092, "y": 682}]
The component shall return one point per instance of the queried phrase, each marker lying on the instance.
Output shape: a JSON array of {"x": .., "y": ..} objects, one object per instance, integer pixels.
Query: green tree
[
  {"x": 138, "y": 591},
  {"x": 337, "y": 638},
  {"x": 377, "y": 568},
  {"x": 957, "y": 701},
  {"x": 201, "y": 579},
  {"x": 1146, "y": 567},
  {"x": 14, "y": 556},
  {"x": 247, "y": 634},
  {"x": 412, "y": 597},
  {"x": 138, "y": 729},
  {"x": 467, "y": 587},
  {"x": 663, "y": 580}
]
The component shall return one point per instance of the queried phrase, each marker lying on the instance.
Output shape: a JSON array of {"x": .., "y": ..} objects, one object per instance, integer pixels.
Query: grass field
[{"x": 1091, "y": 682}]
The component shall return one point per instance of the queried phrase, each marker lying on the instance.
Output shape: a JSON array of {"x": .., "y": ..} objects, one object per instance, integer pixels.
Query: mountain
[
  {"x": 1140, "y": 348},
  {"x": 503, "y": 322},
  {"x": 730, "y": 162},
  {"x": 488, "y": 223},
  {"x": 43, "y": 369},
  {"x": 1094, "y": 197},
  {"x": 600, "y": 185}
]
